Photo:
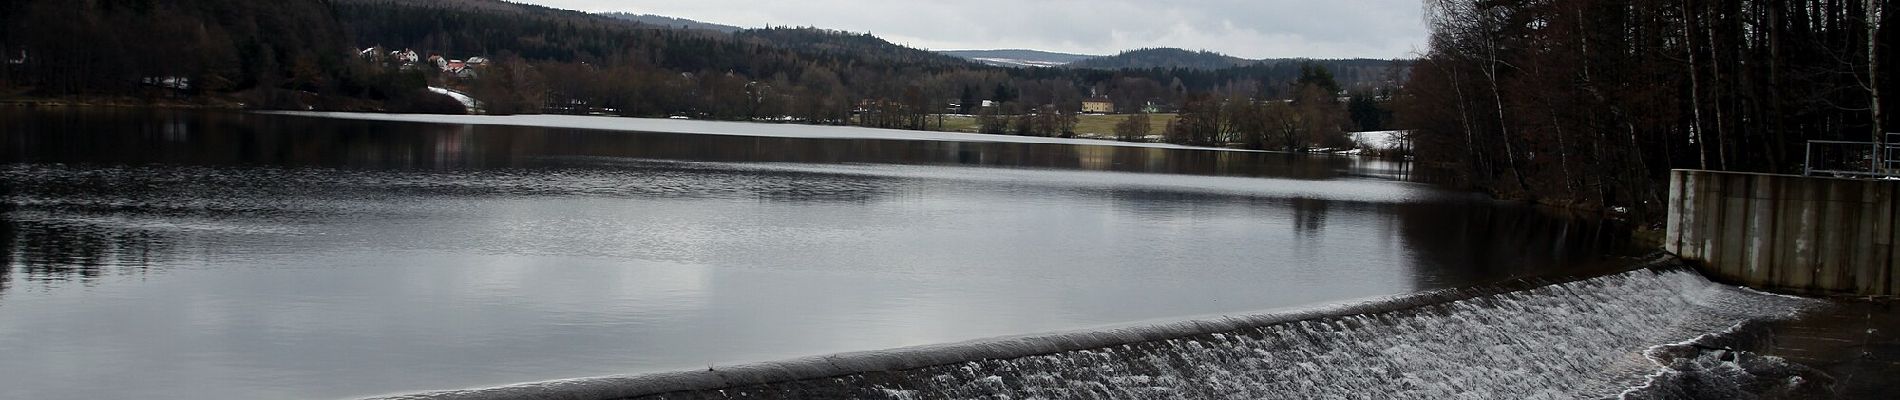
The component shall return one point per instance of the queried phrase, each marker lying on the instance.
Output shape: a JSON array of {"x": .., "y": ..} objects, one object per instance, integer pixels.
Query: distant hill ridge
[
  {"x": 308, "y": 54},
  {"x": 472, "y": 5},
  {"x": 1018, "y": 57},
  {"x": 835, "y": 43},
  {"x": 866, "y": 47},
  {"x": 1163, "y": 58},
  {"x": 1149, "y": 58},
  {"x": 671, "y": 22}
]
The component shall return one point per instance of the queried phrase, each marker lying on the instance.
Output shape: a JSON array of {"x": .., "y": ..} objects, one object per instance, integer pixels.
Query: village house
[
  {"x": 457, "y": 68},
  {"x": 1098, "y": 105},
  {"x": 406, "y": 56}
]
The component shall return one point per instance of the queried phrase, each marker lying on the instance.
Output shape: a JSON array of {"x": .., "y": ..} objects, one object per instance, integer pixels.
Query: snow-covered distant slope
[
  {"x": 1011, "y": 62},
  {"x": 1017, "y": 57}
]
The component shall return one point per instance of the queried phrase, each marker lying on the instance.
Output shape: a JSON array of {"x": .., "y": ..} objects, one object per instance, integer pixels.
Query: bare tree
[{"x": 1134, "y": 128}]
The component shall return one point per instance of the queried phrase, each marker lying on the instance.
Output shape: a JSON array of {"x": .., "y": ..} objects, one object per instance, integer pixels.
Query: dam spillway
[{"x": 1632, "y": 334}]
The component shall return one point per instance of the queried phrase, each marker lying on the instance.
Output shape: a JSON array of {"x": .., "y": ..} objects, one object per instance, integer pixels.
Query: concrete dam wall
[
  {"x": 1794, "y": 233},
  {"x": 1625, "y": 333}
]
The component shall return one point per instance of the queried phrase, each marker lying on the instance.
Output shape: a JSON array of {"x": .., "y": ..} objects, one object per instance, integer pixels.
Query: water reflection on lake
[{"x": 160, "y": 254}]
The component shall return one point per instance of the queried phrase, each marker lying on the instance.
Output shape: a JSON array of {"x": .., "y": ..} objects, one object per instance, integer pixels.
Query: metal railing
[
  {"x": 1853, "y": 159},
  {"x": 1890, "y": 156}
]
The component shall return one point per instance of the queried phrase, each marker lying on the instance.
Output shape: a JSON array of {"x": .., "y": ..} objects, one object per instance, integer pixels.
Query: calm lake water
[{"x": 178, "y": 255}]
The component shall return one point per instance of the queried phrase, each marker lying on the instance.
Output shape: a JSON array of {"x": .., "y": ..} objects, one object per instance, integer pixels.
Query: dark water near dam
[{"x": 185, "y": 254}]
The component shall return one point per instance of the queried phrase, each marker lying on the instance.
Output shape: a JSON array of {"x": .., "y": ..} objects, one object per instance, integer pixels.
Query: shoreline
[
  {"x": 477, "y": 119},
  {"x": 100, "y": 102},
  {"x": 734, "y": 128}
]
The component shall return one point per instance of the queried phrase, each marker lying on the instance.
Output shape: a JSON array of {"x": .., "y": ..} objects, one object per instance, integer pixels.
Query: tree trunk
[
  {"x": 1873, "y": 82},
  {"x": 1563, "y": 151},
  {"x": 1464, "y": 118},
  {"x": 1776, "y": 111},
  {"x": 1715, "y": 78},
  {"x": 1695, "y": 89},
  {"x": 1504, "y": 134}
]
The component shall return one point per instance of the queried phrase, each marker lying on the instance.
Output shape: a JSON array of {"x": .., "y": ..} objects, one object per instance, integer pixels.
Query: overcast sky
[{"x": 1245, "y": 28}]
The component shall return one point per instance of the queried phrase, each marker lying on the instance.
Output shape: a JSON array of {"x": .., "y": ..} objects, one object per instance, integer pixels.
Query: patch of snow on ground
[
  {"x": 1378, "y": 140},
  {"x": 467, "y": 102}
]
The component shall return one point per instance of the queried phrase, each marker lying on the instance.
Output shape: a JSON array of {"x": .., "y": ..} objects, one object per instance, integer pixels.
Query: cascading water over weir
[{"x": 1661, "y": 331}]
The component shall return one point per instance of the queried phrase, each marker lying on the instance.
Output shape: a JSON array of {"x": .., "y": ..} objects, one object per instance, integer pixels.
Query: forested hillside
[
  {"x": 670, "y": 22},
  {"x": 280, "y": 54},
  {"x": 860, "y": 48},
  {"x": 1166, "y": 58},
  {"x": 807, "y": 74},
  {"x": 561, "y": 36},
  {"x": 114, "y": 46},
  {"x": 1205, "y": 66},
  {"x": 1592, "y": 101},
  {"x": 513, "y": 58}
]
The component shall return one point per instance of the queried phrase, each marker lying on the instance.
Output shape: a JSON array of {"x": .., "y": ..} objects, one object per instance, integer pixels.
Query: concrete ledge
[{"x": 1800, "y": 234}]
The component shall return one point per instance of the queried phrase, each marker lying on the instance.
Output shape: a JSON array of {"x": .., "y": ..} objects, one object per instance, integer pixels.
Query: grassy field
[
  {"x": 1087, "y": 125},
  {"x": 1104, "y": 125}
]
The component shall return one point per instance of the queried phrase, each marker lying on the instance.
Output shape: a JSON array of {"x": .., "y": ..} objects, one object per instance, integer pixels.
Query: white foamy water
[
  {"x": 1575, "y": 340},
  {"x": 1584, "y": 339}
]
